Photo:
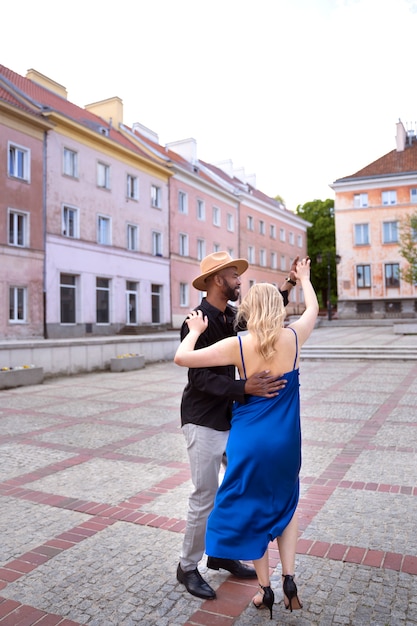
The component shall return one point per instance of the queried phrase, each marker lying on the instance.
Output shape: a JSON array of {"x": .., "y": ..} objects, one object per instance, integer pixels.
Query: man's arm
[{"x": 290, "y": 281}]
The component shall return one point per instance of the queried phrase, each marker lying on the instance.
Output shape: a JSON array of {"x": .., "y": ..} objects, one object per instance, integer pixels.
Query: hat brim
[{"x": 200, "y": 282}]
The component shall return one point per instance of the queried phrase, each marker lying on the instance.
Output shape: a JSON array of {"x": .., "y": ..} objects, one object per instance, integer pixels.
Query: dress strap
[
  {"x": 296, "y": 346},
  {"x": 241, "y": 356}
]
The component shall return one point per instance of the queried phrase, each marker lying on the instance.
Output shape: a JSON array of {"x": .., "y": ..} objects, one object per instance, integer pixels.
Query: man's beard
[{"x": 231, "y": 293}]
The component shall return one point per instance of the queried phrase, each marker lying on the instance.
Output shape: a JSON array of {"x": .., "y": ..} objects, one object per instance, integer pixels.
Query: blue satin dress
[{"x": 260, "y": 489}]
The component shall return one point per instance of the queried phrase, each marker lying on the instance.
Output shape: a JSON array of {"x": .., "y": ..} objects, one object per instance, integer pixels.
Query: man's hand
[
  {"x": 263, "y": 385},
  {"x": 292, "y": 274}
]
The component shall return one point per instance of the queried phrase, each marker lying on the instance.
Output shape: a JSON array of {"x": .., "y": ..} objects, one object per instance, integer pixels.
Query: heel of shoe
[
  {"x": 290, "y": 591},
  {"x": 267, "y": 600}
]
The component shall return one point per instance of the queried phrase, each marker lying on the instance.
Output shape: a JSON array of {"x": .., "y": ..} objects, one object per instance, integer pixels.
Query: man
[{"x": 206, "y": 412}]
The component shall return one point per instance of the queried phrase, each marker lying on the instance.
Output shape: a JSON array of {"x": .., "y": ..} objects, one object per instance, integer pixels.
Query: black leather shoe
[
  {"x": 195, "y": 584},
  {"x": 236, "y": 568}
]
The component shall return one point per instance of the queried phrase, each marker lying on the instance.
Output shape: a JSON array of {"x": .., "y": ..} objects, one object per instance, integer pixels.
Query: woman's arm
[
  {"x": 221, "y": 353},
  {"x": 305, "y": 325}
]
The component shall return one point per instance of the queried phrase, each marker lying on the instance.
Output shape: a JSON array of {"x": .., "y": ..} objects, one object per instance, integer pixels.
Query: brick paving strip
[{"x": 330, "y": 479}]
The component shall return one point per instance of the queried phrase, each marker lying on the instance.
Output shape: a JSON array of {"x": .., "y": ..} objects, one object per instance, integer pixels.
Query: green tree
[
  {"x": 321, "y": 242},
  {"x": 408, "y": 248}
]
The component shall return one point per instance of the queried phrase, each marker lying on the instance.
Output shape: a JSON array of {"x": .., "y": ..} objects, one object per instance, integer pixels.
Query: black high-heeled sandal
[
  {"x": 290, "y": 591},
  {"x": 267, "y": 600}
]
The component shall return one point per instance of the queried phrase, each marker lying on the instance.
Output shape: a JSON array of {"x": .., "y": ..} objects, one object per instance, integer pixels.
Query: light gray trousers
[{"x": 205, "y": 447}]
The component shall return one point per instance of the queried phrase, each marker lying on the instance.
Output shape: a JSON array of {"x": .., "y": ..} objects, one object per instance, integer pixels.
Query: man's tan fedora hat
[{"x": 215, "y": 262}]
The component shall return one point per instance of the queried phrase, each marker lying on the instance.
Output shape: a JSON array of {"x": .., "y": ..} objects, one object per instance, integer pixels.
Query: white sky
[{"x": 298, "y": 92}]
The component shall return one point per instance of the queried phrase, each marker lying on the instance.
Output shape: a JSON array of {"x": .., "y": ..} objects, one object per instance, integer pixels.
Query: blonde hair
[{"x": 262, "y": 311}]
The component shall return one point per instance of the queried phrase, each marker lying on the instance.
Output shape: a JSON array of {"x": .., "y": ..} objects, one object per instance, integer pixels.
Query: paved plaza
[{"x": 94, "y": 481}]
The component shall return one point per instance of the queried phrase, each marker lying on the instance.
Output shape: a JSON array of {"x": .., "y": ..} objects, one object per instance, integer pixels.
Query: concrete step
[{"x": 405, "y": 353}]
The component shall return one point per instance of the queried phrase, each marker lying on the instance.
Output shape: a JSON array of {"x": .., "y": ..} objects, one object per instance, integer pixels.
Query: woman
[{"x": 258, "y": 497}]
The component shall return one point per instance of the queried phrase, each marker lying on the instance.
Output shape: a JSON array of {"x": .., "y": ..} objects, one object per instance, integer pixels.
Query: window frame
[
  {"x": 103, "y": 175},
  {"x": 70, "y": 163},
  {"x": 394, "y": 277},
  {"x": 183, "y": 244},
  {"x": 132, "y": 187},
  {"x": 389, "y": 197},
  {"x": 201, "y": 210},
  {"x": 132, "y": 234},
  {"x": 71, "y": 288},
  {"x": 156, "y": 197},
  {"x": 360, "y": 200},
  {"x": 18, "y": 304},
  {"x": 362, "y": 229},
  {"x": 363, "y": 281},
  {"x": 184, "y": 294},
  {"x": 182, "y": 202},
  {"x": 157, "y": 249},
  {"x": 104, "y": 219},
  {"x": 103, "y": 290},
  {"x": 390, "y": 232},
  {"x": 66, "y": 208},
  {"x": 13, "y": 233},
  {"x": 217, "y": 220},
  {"x": 24, "y": 163}
]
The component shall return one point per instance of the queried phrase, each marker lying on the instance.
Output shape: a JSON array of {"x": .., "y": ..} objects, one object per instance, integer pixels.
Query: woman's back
[{"x": 281, "y": 362}]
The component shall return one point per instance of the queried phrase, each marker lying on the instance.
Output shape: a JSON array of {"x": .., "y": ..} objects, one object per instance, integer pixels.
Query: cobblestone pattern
[{"x": 94, "y": 482}]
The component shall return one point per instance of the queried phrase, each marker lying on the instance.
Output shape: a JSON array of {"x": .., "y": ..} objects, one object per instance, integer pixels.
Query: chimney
[
  {"x": 48, "y": 83},
  {"x": 400, "y": 137}
]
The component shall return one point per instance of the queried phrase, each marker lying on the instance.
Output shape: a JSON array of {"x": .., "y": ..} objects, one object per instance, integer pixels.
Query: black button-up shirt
[{"x": 208, "y": 396}]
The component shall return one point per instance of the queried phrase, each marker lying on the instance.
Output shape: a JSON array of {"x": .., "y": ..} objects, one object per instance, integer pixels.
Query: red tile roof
[
  {"x": 391, "y": 164},
  {"x": 21, "y": 88}
]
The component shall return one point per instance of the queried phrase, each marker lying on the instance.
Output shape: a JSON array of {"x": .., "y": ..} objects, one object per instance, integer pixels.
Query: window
[
  {"x": 18, "y": 229},
  {"x": 216, "y": 216},
  {"x": 201, "y": 249},
  {"x": 262, "y": 257},
  {"x": 273, "y": 231},
  {"x": 184, "y": 301},
  {"x": 249, "y": 222},
  {"x": 103, "y": 230},
  {"x": 291, "y": 238},
  {"x": 132, "y": 237},
  {"x": 103, "y": 175},
  {"x": 299, "y": 241},
  {"x": 281, "y": 234},
  {"x": 361, "y": 234},
  {"x": 274, "y": 262},
  {"x": 156, "y": 303},
  {"x": 261, "y": 227},
  {"x": 183, "y": 244},
  {"x": 390, "y": 232},
  {"x": 216, "y": 247},
  {"x": 360, "y": 200},
  {"x": 230, "y": 223},
  {"x": 201, "y": 210},
  {"x": 70, "y": 222},
  {"x": 70, "y": 167},
  {"x": 132, "y": 184},
  {"x": 17, "y": 304},
  {"x": 102, "y": 300},
  {"x": 131, "y": 302},
  {"x": 156, "y": 197},
  {"x": 19, "y": 162},
  {"x": 389, "y": 197},
  {"x": 283, "y": 263},
  {"x": 413, "y": 195},
  {"x": 156, "y": 243},
  {"x": 251, "y": 254},
  {"x": 68, "y": 298},
  {"x": 182, "y": 202},
  {"x": 363, "y": 276},
  {"x": 392, "y": 275}
]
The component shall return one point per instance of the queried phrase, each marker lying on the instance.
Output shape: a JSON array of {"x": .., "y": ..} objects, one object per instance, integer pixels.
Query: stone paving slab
[{"x": 93, "y": 501}]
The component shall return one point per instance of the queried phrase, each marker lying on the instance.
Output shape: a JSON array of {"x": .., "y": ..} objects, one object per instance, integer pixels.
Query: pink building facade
[{"x": 22, "y": 205}]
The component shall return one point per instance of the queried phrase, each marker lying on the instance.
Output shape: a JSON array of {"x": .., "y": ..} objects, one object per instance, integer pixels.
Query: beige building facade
[{"x": 371, "y": 208}]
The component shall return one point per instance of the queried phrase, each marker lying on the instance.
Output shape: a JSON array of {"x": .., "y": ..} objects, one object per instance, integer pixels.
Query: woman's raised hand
[
  {"x": 196, "y": 321},
  {"x": 303, "y": 268}
]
